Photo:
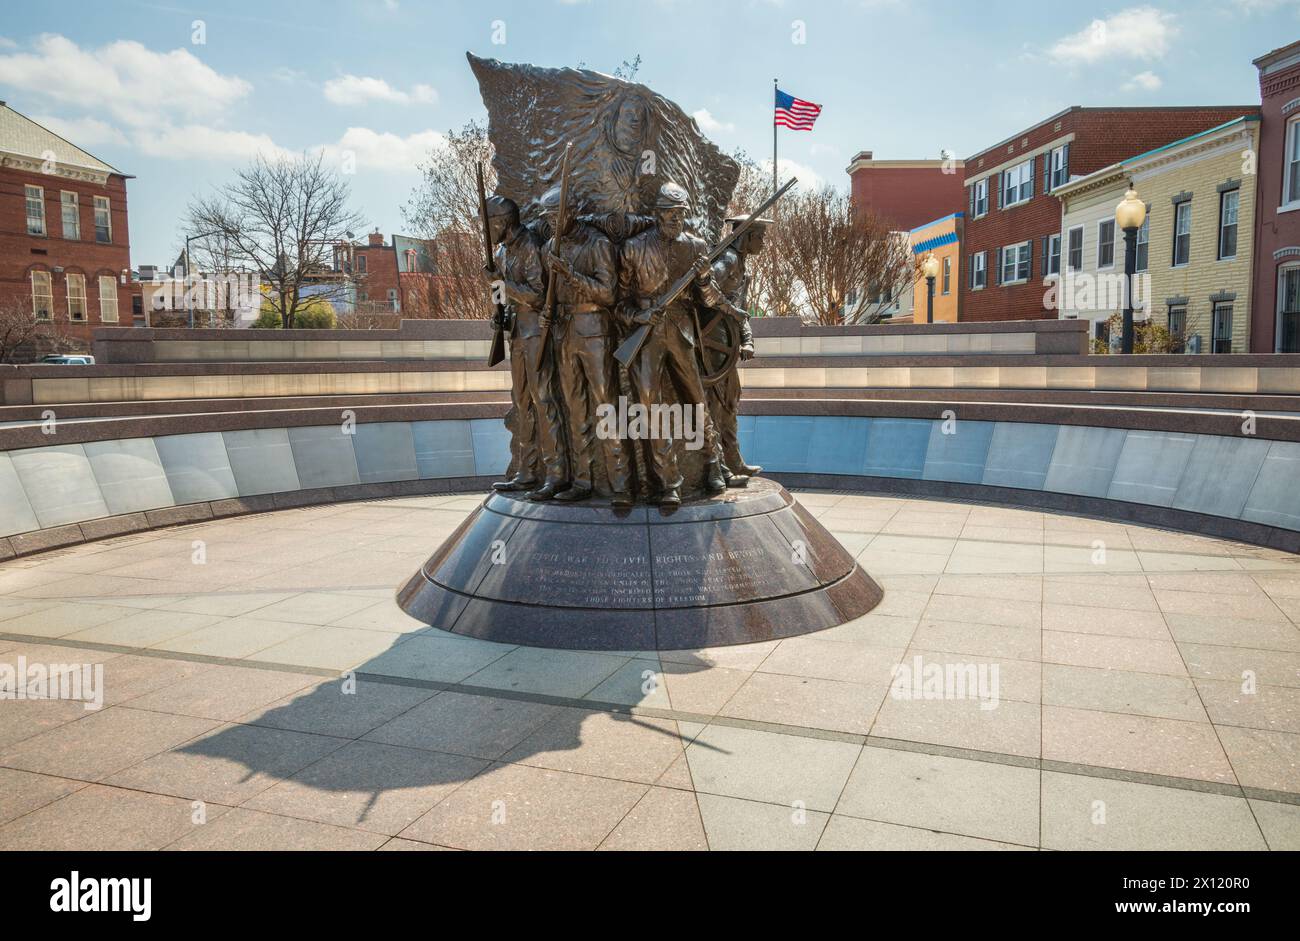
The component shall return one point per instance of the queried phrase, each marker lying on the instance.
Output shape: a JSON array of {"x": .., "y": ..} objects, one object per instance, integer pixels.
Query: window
[
  {"x": 42, "y": 295},
  {"x": 1074, "y": 259},
  {"x": 980, "y": 197},
  {"x": 947, "y": 276},
  {"x": 1222, "y": 342},
  {"x": 1291, "y": 184},
  {"x": 1058, "y": 173},
  {"x": 1288, "y": 298},
  {"x": 361, "y": 264},
  {"x": 1016, "y": 262},
  {"x": 393, "y": 300},
  {"x": 1288, "y": 309},
  {"x": 1182, "y": 233},
  {"x": 1017, "y": 184},
  {"x": 71, "y": 215},
  {"x": 1228, "y": 203},
  {"x": 76, "y": 296},
  {"x": 979, "y": 274},
  {"x": 1106, "y": 243},
  {"x": 1052, "y": 257},
  {"x": 103, "y": 221},
  {"x": 1177, "y": 322},
  {"x": 1143, "y": 244},
  {"x": 107, "y": 299},
  {"x": 35, "y": 210}
]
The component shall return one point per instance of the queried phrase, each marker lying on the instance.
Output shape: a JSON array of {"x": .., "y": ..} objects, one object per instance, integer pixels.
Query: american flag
[{"x": 795, "y": 113}]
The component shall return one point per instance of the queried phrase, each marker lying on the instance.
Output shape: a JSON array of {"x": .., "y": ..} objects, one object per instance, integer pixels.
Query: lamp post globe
[
  {"x": 1129, "y": 216},
  {"x": 929, "y": 268}
]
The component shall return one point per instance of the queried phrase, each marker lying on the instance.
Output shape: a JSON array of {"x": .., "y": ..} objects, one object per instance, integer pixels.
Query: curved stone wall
[{"x": 68, "y": 492}]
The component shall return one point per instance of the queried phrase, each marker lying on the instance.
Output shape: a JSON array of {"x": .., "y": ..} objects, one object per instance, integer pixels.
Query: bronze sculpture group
[{"x": 562, "y": 357}]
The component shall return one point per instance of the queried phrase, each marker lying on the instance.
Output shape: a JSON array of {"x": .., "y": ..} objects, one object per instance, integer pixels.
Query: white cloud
[
  {"x": 1264, "y": 6},
  {"x": 808, "y": 177},
  {"x": 1142, "y": 33},
  {"x": 1144, "y": 81},
  {"x": 198, "y": 142},
  {"x": 84, "y": 132},
  {"x": 709, "y": 124},
  {"x": 128, "y": 81},
  {"x": 359, "y": 89},
  {"x": 384, "y": 151}
]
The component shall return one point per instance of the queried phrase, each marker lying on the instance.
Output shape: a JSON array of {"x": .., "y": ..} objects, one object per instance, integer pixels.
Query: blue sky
[{"x": 383, "y": 78}]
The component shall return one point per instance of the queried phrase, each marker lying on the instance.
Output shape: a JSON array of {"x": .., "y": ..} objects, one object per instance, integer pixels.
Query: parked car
[{"x": 68, "y": 359}]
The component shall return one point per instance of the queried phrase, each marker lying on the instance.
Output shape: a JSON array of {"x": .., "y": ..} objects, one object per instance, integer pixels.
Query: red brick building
[
  {"x": 907, "y": 193},
  {"x": 1013, "y": 222},
  {"x": 1275, "y": 308},
  {"x": 64, "y": 243}
]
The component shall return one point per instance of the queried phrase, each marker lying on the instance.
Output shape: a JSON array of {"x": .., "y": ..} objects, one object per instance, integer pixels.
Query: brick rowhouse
[
  {"x": 64, "y": 244},
  {"x": 906, "y": 193},
  {"x": 1275, "y": 311},
  {"x": 1010, "y": 209}
]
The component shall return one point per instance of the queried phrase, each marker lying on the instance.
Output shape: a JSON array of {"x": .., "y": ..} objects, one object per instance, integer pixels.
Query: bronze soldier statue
[
  {"x": 724, "y": 395},
  {"x": 585, "y": 264},
  {"x": 665, "y": 370},
  {"x": 538, "y": 442}
]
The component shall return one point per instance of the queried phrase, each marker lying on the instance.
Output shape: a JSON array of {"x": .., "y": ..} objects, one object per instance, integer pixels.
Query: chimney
[{"x": 376, "y": 239}]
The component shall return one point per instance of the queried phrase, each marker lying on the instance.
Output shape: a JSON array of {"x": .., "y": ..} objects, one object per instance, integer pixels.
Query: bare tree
[
  {"x": 283, "y": 219},
  {"x": 848, "y": 267},
  {"x": 444, "y": 209},
  {"x": 22, "y": 335},
  {"x": 771, "y": 277}
]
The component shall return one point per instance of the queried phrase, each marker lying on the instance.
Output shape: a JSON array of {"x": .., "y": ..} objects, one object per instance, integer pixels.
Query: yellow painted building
[
  {"x": 1194, "y": 251},
  {"x": 943, "y": 237}
]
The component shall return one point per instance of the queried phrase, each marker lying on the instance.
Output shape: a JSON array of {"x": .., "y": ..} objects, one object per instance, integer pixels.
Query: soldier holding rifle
[{"x": 517, "y": 274}]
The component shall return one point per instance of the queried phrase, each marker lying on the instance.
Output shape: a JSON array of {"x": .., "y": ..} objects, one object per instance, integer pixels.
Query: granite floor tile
[
  {"x": 851, "y": 834},
  {"x": 1012, "y": 728},
  {"x": 1134, "y": 743},
  {"x": 608, "y": 745},
  {"x": 477, "y": 726},
  {"x": 571, "y": 673},
  {"x": 1143, "y": 694},
  {"x": 250, "y": 831},
  {"x": 1270, "y": 667},
  {"x": 344, "y": 708},
  {"x": 979, "y": 640},
  {"x": 330, "y": 648},
  {"x": 369, "y": 786},
  {"x": 1087, "y": 813},
  {"x": 1117, "y": 622},
  {"x": 1280, "y": 824},
  {"x": 1263, "y": 758},
  {"x": 1276, "y": 708},
  {"x": 1105, "y": 652},
  {"x": 21, "y": 792},
  {"x": 733, "y": 824},
  {"x": 827, "y": 660},
  {"x": 806, "y": 702},
  {"x": 972, "y": 798},
  {"x": 224, "y": 692},
  {"x": 106, "y": 818},
  {"x": 769, "y": 767},
  {"x": 664, "y": 820},
  {"x": 516, "y": 807}
]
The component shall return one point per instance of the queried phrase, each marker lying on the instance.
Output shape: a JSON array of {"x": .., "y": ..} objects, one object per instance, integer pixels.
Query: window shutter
[
  {"x": 997, "y": 270},
  {"x": 1033, "y": 168},
  {"x": 1046, "y": 252},
  {"x": 1065, "y": 164},
  {"x": 1029, "y": 247},
  {"x": 970, "y": 201},
  {"x": 1047, "y": 172}
]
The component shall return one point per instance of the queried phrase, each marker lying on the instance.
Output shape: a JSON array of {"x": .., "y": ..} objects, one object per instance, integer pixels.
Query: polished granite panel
[
  {"x": 324, "y": 456},
  {"x": 1084, "y": 460},
  {"x": 1150, "y": 465},
  {"x": 16, "y": 514},
  {"x": 261, "y": 460},
  {"x": 839, "y": 445},
  {"x": 491, "y": 446},
  {"x": 197, "y": 467},
  {"x": 130, "y": 474},
  {"x": 896, "y": 447},
  {"x": 443, "y": 448},
  {"x": 1220, "y": 474},
  {"x": 385, "y": 451},
  {"x": 959, "y": 455},
  {"x": 1275, "y": 497},
  {"x": 782, "y": 443},
  {"x": 60, "y": 484},
  {"x": 1019, "y": 455}
]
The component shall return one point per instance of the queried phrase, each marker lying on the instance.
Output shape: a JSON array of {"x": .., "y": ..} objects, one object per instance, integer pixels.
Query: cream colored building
[{"x": 1193, "y": 252}]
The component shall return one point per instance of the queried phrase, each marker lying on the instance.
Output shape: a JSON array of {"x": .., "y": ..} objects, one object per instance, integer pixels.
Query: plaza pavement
[{"x": 1120, "y": 720}]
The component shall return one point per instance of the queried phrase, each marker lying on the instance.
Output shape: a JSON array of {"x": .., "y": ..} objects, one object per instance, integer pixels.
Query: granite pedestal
[{"x": 744, "y": 566}]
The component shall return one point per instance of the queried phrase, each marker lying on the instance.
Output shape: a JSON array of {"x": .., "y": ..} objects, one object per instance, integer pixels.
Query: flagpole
[{"x": 775, "y": 185}]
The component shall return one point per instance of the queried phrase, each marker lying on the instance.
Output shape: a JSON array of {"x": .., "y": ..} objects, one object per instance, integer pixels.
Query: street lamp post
[
  {"x": 1129, "y": 216},
  {"x": 929, "y": 268}
]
